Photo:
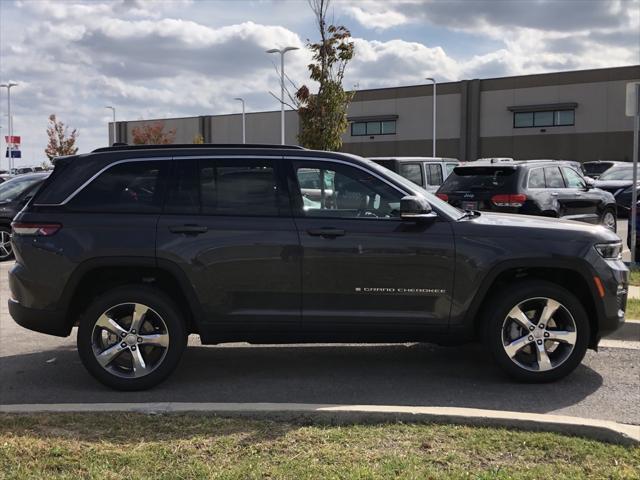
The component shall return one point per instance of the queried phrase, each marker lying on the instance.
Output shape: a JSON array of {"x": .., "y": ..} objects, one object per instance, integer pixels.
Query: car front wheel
[
  {"x": 608, "y": 219},
  {"x": 6, "y": 252},
  {"x": 537, "y": 331},
  {"x": 131, "y": 338}
]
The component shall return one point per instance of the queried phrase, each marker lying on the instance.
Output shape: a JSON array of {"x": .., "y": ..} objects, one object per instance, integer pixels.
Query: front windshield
[
  {"x": 624, "y": 173},
  {"x": 434, "y": 201},
  {"x": 13, "y": 188}
]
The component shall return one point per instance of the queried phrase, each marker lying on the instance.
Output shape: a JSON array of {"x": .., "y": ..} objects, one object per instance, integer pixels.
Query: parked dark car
[
  {"x": 140, "y": 246},
  {"x": 598, "y": 167},
  {"x": 618, "y": 181},
  {"x": 14, "y": 193},
  {"x": 531, "y": 187}
]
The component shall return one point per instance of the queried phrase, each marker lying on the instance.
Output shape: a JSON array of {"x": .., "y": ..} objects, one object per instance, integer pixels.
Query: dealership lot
[{"x": 37, "y": 368}]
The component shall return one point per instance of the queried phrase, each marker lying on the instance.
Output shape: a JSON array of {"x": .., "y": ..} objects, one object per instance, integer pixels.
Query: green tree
[
  {"x": 323, "y": 116},
  {"x": 61, "y": 142}
]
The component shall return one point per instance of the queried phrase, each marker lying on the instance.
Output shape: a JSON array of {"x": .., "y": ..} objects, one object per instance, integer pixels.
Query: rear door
[
  {"x": 434, "y": 174},
  {"x": 227, "y": 226}
]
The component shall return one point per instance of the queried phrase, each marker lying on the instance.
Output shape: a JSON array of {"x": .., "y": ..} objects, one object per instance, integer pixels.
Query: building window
[
  {"x": 387, "y": 127},
  {"x": 546, "y": 118}
]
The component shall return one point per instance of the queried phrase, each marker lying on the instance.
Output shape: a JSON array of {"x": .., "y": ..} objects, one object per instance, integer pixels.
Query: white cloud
[{"x": 171, "y": 58}]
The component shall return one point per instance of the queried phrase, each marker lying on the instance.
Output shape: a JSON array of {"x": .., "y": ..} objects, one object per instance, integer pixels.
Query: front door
[
  {"x": 364, "y": 270},
  {"x": 579, "y": 202},
  {"x": 227, "y": 226}
]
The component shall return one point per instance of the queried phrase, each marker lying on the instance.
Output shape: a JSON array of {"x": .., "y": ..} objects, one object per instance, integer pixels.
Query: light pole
[
  {"x": 434, "y": 115},
  {"x": 282, "y": 52},
  {"x": 113, "y": 110},
  {"x": 244, "y": 125},
  {"x": 9, "y": 121}
]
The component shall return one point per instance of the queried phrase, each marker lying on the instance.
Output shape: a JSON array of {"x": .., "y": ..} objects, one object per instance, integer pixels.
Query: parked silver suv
[{"x": 428, "y": 172}]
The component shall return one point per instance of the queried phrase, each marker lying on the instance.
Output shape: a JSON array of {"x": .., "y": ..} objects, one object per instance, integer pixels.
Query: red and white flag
[{"x": 13, "y": 139}]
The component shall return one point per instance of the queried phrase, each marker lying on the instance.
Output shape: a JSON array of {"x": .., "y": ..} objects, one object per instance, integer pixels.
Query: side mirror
[
  {"x": 415, "y": 208},
  {"x": 589, "y": 183}
]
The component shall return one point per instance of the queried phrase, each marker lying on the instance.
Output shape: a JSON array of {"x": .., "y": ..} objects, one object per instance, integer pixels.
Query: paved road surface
[{"x": 37, "y": 368}]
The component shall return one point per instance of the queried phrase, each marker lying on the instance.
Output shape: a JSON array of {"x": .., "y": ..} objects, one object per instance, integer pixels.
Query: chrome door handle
[{"x": 555, "y": 194}]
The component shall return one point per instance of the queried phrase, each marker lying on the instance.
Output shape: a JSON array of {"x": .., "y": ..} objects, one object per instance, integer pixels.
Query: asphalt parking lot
[{"x": 37, "y": 368}]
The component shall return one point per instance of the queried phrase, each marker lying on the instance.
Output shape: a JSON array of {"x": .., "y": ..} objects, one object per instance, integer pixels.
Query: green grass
[
  {"x": 633, "y": 309},
  {"x": 115, "y": 446},
  {"x": 634, "y": 278}
]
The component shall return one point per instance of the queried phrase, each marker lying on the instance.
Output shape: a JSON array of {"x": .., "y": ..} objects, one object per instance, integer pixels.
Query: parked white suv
[{"x": 428, "y": 172}]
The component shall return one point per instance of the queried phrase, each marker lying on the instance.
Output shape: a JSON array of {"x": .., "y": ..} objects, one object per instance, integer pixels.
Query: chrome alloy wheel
[
  {"x": 609, "y": 221},
  {"x": 5, "y": 244},
  {"x": 130, "y": 340},
  {"x": 539, "y": 334}
]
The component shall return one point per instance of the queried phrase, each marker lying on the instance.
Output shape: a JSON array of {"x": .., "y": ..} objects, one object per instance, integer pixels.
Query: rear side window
[
  {"x": 553, "y": 177},
  {"x": 413, "y": 172},
  {"x": 223, "y": 187},
  {"x": 480, "y": 179},
  {"x": 130, "y": 187},
  {"x": 536, "y": 178},
  {"x": 434, "y": 174},
  {"x": 596, "y": 168}
]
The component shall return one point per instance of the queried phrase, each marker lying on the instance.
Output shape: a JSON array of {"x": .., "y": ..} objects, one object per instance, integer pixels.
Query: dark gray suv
[{"x": 141, "y": 246}]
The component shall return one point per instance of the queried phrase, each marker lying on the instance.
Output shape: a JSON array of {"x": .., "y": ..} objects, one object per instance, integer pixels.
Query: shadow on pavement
[{"x": 416, "y": 374}]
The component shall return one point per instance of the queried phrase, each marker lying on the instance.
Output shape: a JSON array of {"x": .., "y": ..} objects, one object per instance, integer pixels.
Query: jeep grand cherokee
[{"x": 141, "y": 246}]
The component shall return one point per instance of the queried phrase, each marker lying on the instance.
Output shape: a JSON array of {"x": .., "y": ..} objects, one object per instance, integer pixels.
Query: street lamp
[
  {"x": 282, "y": 52},
  {"x": 244, "y": 125},
  {"x": 113, "y": 110},
  {"x": 434, "y": 115},
  {"x": 9, "y": 121}
]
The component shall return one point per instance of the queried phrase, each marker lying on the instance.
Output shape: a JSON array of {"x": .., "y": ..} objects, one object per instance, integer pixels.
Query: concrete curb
[{"x": 602, "y": 430}]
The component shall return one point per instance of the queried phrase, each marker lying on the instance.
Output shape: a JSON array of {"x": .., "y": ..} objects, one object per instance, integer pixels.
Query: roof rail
[{"x": 120, "y": 146}]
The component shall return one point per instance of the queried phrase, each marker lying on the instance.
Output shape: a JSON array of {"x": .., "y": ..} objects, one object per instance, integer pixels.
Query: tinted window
[
  {"x": 450, "y": 167},
  {"x": 238, "y": 187},
  {"x": 617, "y": 173},
  {"x": 523, "y": 119},
  {"x": 374, "y": 128},
  {"x": 536, "y": 178},
  {"x": 412, "y": 171},
  {"x": 12, "y": 189},
  {"x": 596, "y": 168},
  {"x": 553, "y": 177},
  {"x": 183, "y": 194},
  {"x": 350, "y": 192},
  {"x": 572, "y": 178},
  {"x": 434, "y": 174},
  {"x": 479, "y": 179},
  {"x": 543, "y": 119},
  {"x": 131, "y": 187},
  {"x": 565, "y": 117}
]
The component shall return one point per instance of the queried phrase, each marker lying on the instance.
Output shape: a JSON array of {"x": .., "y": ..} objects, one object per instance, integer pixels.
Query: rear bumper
[{"x": 52, "y": 322}]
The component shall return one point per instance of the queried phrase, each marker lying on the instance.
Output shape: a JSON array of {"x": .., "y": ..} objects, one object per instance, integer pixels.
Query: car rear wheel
[
  {"x": 608, "y": 219},
  {"x": 131, "y": 338},
  {"x": 6, "y": 252},
  {"x": 537, "y": 331}
]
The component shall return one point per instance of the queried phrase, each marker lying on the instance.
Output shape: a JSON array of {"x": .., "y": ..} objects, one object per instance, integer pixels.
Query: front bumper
[{"x": 52, "y": 322}]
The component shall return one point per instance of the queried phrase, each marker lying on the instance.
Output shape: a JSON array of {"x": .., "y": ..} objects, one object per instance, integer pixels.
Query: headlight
[{"x": 609, "y": 250}]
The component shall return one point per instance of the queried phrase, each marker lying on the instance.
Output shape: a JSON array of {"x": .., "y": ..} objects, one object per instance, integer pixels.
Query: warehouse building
[{"x": 577, "y": 115}]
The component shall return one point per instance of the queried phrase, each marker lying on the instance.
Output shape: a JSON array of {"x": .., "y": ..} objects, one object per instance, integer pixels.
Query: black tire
[
  {"x": 495, "y": 315},
  {"x": 615, "y": 220},
  {"x": 6, "y": 253},
  {"x": 166, "y": 310}
]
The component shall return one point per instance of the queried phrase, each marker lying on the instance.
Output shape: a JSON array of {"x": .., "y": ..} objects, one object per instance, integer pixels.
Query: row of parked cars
[{"x": 592, "y": 192}]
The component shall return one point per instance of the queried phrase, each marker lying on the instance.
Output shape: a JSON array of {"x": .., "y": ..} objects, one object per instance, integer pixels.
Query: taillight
[
  {"x": 35, "y": 229},
  {"x": 510, "y": 200},
  {"x": 443, "y": 196}
]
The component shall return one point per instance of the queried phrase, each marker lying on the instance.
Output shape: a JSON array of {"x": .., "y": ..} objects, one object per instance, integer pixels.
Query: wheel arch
[
  {"x": 569, "y": 274},
  {"x": 95, "y": 276}
]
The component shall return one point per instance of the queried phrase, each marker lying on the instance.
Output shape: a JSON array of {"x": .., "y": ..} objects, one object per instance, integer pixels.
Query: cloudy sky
[{"x": 192, "y": 57}]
